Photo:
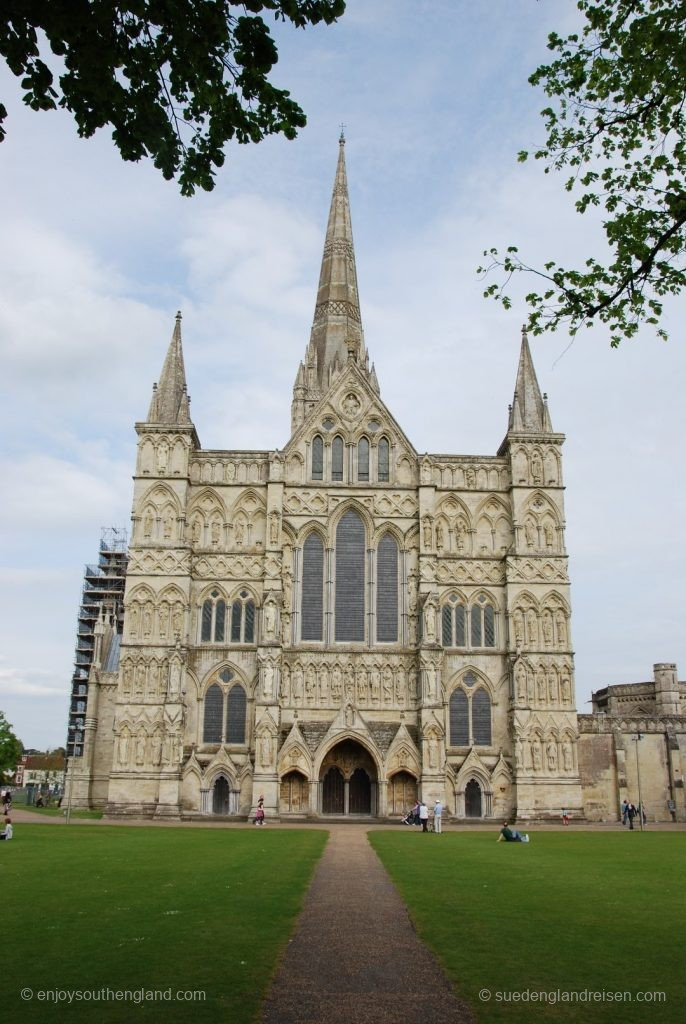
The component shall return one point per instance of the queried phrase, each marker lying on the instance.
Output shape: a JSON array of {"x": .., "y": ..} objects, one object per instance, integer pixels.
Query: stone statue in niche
[
  {"x": 175, "y": 672},
  {"x": 297, "y": 683},
  {"x": 552, "y": 685},
  {"x": 427, "y": 532},
  {"x": 565, "y": 686},
  {"x": 140, "y": 678},
  {"x": 567, "y": 756},
  {"x": 426, "y": 471},
  {"x": 460, "y": 534},
  {"x": 518, "y": 619},
  {"x": 387, "y": 685},
  {"x": 529, "y": 534},
  {"x": 440, "y": 537},
  {"x": 536, "y": 468},
  {"x": 376, "y": 683},
  {"x": 324, "y": 684},
  {"x": 433, "y": 744},
  {"x": 350, "y": 405},
  {"x": 361, "y": 686},
  {"x": 140, "y": 748},
  {"x": 156, "y": 748},
  {"x": 268, "y": 680},
  {"x": 276, "y": 469},
  {"x": 431, "y": 681},
  {"x": 147, "y": 524},
  {"x": 350, "y": 683},
  {"x": 196, "y": 530},
  {"x": 520, "y": 677},
  {"x": 167, "y": 525},
  {"x": 336, "y": 683},
  {"x": 526, "y": 753},
  {"x": 270, "y": 619},
  {"x": 518, "y": 753},
  {"x": 430, "y": 621},
  {"x": 548, "y": 628},
  {"x": 162, "y": 457},
  {"x": 412, "y": 684},
  {"x": 123, "y": 747},
  {"x": 541, "y": 684},
  {"x": 274, "y": 528},
  {"x": 536, "y": 755},
  {"x": 164, "y": 618},
  {"x": 134, "y": 615},
  {"x": 549, "y": 535},
  {"x": 127, "y": 677},
  {"x": 310, "y": 684},
  {"x": 470, "y": 476},
  {"x": 349, "y": 716},
  {"x": 532, "y": 627},
  {"x": 215, "y": 532},
  {"x": 147, "y": 618},
  {"x": 561, "y": 627},
  {"x": 265, "y": 748},
  {"x": 400, "y": 685},
  {"x": 284, "y": 691},
  {"x": 239, "y": 533},
  {"x": 177, "y": 619}
]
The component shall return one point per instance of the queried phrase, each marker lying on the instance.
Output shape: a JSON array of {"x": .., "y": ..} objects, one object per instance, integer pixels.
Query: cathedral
[{"x": 343, "y": 624}]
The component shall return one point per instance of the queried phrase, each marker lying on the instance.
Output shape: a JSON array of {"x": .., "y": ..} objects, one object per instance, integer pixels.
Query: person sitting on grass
[
  {"x": 511, "y": 835},
  {"x": 7, "y": 834}
]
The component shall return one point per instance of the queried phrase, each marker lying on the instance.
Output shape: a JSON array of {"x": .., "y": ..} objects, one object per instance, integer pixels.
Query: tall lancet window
[
  {"x": 337, "y": 459},
  {"x": 312, "y": 588},
  {"x": 350, "y": 557},
  {"x": 363, "y": 459},
  {"x": 383, "y": 456},
  {"x": 317, "y": 458},
  {"x": 387, "y": 590}
]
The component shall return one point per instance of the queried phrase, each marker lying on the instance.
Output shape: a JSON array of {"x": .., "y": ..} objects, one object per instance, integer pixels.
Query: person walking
[
  {"x": 631, "y": 814},
  {"x": 424, "y": 816},
  {"x": 438, "y": 812},
  {"x": 625, "y": 807},
  {"x": 565, "y": 816}
]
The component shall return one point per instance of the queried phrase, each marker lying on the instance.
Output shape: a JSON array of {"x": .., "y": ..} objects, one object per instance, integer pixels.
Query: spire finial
[
  {"x": 341, "y": 137},
  {"x": 178, "y": 315}
]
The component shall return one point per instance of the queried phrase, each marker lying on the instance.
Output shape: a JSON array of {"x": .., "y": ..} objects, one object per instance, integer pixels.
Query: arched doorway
[
  {"x": 221, "y": 796},
  {"x": 294, "y": 796},
  {"x": 348, "y": 780},
  {"x": 472, "y": 800},
  {"x": 333, "y": 791},
  {"x": 402, "y": 793}
]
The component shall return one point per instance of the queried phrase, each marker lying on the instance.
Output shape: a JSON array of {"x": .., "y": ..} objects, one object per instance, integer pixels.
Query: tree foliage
[
  {"x": 176, "y": 79},
  {"x": 617, "y": 128},
  {"x": 10, "y": 749}
]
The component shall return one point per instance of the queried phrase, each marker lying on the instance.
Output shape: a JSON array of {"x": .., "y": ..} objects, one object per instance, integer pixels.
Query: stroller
[{"x": 411, "y": 818}]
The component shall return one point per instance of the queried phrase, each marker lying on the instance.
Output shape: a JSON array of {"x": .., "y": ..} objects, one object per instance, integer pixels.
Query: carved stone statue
[
  {"x": 140, "y": 748},
  {"x": 440, "y": 537},
  {"x": 532, "y": 627},
  {"x": 164, "y": 619},
  {"x": 427, "y": 532},
  {"x": 269, "y": 619},
  {"x": 529, "y": 534},
  {"x": 162, "y": 457},
  {"x": 536, "y": 468},
  {"x": 147, "y": 524},
  {"x": 268, "y": 680},
  {"x": 518, "y": 619},
  {"x": 548, "y": 628},
  {"x": 552, "y": 756},
  {"x": 567, "y": 756},
  {"x": 433, "y": 744},
  {"x": 297, "y": 683},
  {"x": 520, "y": 677},
  {"x": 124, "y": 747},
  {"x": 156, "y": 748},
  {"x": 549, "y": 535},
  {"x": 376, "y": 683},
  {"x": 147, "y": 619},
  {"x": 561, "y": 628},
  {"x": 536, "y": 755},
  {"x": 430, "y": 620},
  {"x": 541, "y": 685}
]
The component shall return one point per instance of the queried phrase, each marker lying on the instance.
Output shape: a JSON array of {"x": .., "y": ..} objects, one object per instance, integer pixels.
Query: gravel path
[{"x": 355, "y": 957}]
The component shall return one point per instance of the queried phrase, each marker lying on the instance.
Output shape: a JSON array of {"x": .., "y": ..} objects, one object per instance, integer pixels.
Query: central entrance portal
[{"x": 348, "y": 780}]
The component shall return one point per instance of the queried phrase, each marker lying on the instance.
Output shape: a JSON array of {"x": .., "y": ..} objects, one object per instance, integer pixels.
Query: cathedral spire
[
  {"x": 170, "y": 400},
  {"x": 337, "y": 333},
  {"x": 528, "y": 412}
]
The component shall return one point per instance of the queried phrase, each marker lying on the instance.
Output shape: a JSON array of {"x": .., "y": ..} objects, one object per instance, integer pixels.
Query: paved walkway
[{"x": 355, "y": 957}]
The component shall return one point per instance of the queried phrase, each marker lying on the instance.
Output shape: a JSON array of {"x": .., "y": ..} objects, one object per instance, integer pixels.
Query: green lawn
[
  {"x": 57, "y": 812},
  {"x": 570, "y": 911},
  {"x": 95, "y": 907}
]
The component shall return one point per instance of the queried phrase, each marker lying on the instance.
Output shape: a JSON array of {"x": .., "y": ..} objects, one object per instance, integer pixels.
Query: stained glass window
[
  {"x": 313, "y": 588},
  {"x": 317, "y": 458},
  {"x": 387, "y": 590},
  {"x": 459, "y": 719},
  {"x": 350, "y": 577},
  {"x": 235, "y": 715},
  {"x": 383, "y": 453},
  {"x": 214, "y": 703},
  {"x": 481, "y": 718},
  {"x": 363, "y": 459},
  {"x": 337, "y": 459}
]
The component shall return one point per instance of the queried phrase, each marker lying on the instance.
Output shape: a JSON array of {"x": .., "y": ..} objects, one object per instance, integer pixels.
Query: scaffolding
[{"x": 102, "y": 582}]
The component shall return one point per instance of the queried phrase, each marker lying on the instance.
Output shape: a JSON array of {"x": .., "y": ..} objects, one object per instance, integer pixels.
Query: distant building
[
  {"x": 612, "y": 756},
  {"x": 44, "y": 771}
]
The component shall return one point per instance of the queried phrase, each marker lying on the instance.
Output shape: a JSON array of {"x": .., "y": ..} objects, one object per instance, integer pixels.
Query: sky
[{"x": 97, "y": 255}]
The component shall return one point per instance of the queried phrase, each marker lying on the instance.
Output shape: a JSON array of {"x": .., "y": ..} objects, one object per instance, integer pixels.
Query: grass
[
  {"x": 149, "y": 909},
  {"x": 56, "y": 812},
  {"x": 571, "y": 911}
]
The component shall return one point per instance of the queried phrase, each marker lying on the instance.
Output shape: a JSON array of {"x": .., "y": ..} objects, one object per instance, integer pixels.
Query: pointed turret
[
  {"x": 170, "y": 400},
  {"x": 528, "y": 412},
  {"x": 337, "y": 326}
]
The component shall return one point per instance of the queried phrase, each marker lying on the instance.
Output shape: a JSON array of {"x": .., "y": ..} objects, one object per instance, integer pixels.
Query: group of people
[
  {"x": 419, "y": 815},
  {"x": 6, "y": 802},
  {"x": 629, "y": 812}
]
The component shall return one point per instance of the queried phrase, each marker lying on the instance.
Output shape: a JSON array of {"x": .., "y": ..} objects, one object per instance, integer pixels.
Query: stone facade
[
  {"x": 342, "y": 624},
  {"x": 633, "y": 747}
]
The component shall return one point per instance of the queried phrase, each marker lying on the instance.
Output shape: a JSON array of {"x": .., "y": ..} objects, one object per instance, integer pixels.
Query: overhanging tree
[
  {"x": 617, "y": 127},
  {"x": 10, "y": 749},
  {"x": 176, "y": 79}
]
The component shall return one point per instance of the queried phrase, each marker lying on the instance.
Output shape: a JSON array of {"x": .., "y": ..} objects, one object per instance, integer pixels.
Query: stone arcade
[{"x": 344, "y": 623}]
